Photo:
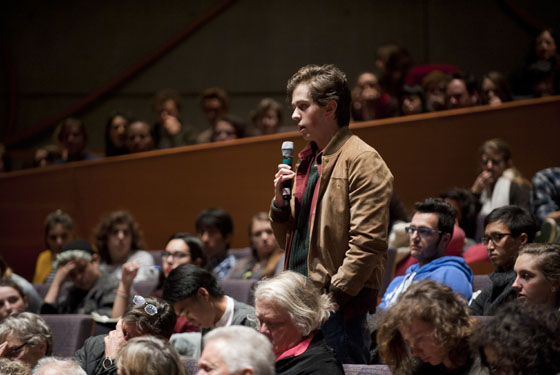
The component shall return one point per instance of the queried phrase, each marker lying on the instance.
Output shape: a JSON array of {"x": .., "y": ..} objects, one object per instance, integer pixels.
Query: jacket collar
[{"x": 338, "y": 140}]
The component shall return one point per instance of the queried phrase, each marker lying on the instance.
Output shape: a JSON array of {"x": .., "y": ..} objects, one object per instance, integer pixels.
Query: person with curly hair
[
  {"x": 427, "y": 331},
  {"x": 521, "y": 339},
  {"x": 118, "y": 239},
  {"x": 538, "y": 275}
]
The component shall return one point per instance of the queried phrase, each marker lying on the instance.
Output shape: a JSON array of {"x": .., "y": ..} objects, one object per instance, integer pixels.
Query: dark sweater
[
  {"x": 318, "y": 359},
  {"x": 495, "y": 294}
]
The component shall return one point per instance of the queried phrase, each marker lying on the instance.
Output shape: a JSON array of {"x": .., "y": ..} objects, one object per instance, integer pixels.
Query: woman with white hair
[
  {"x": 25, "y": 337},
  {"x": 290, "y": 310},
  {"x": 236, "y": 350},
  {"x": 148, "y": 355}
]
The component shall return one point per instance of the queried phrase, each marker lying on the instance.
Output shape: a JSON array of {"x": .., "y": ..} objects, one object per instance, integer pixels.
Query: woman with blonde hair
[
  {"x": 537, "y": 270},
  {"x": 148, "y": 355},
  {"x": 427, "y": 331}
]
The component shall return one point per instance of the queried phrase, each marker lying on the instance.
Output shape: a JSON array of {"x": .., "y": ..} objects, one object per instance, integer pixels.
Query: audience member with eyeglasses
[
  {"x": 429, "y": 233},
  {"x": 181, "y": 248},
  {"x": 146, "y": 316},
  {"x": 507, "y": 230},
  {"x": 25, "y": 337}
]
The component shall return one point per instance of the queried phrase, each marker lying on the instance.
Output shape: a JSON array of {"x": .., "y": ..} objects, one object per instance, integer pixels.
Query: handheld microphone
[{"x": 287, "y": 158}]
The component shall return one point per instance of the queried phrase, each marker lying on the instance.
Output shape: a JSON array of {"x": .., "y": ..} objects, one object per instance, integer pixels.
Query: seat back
[
  {"x": 366, "y": 369},
  {"x": 482, "y": 268},
  {"x": 69, "y": 332},
  {"x": 389, "y": 271},
  {"x": 480, "y": 282},
  {"x": 42, "y": 289},
  {"x": 240, "y": 290},
  {"x": 190, "y": 365}
]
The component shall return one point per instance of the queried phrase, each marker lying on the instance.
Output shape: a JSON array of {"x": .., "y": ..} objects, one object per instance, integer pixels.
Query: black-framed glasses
[
  {"x": 495, "y": 237},
  {"x": 148, "y": 307},
  {"x": 176, "y": 255},
  {"x": 14, "y": 352},
  {"x": 422, "y": 231}
]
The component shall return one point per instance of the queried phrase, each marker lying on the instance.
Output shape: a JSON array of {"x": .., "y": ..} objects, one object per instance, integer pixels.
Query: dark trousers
[{"x": 349, "y": 337}]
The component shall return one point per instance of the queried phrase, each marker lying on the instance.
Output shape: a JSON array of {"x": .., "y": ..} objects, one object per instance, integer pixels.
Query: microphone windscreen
[{"x": 288, "y": 149}]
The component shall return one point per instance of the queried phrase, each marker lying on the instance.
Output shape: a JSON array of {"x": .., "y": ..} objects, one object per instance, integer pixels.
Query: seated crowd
[
  {"x": 398, "y": 88},
  {"x": 167, "y": 311},
  {"x": 425, "y": 322}
]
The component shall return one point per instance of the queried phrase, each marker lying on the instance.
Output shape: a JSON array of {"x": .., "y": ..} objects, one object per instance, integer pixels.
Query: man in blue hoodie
[{"x": 429, "y": 234}]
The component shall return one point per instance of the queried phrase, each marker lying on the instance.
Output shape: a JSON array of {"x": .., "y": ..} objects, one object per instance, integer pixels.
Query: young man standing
[{"x": 334, "y": 228}]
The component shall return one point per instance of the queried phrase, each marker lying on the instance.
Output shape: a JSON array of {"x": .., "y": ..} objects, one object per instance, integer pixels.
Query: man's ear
[
  {"x": 330, "y": 108},
  {"x": 247, "y": 371},
  {"x": 95, "y": 258},
  {"x": 523, "y": 238},
  {"x": 203, "y": 293},
  {"x": 445, "y": 240}
]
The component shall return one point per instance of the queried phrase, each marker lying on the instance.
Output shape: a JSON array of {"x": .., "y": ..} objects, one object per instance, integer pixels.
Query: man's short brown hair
[{"x": 326, "y": 83}]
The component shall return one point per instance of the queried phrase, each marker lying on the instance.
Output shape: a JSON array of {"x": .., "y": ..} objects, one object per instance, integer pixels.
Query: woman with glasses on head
[
  {"x": 181, "y": 248},
  {"x": 26, "y": 338},
  {"x": 146, "y": 316},
  {"x": 537, "y": 270}
]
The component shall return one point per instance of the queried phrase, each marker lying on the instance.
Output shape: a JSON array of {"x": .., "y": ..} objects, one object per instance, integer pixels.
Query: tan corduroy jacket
[{"x": 348, "y": 234}]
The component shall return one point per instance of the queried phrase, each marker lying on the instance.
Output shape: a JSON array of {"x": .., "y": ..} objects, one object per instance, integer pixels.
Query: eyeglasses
[
  {"x": 141, "y": 301},
  {"x": 14, "y": 352},
  {"x": 177, "y": 255},
  {"x": 422, "y": 231},
  {"x": 495, "y": 237}
]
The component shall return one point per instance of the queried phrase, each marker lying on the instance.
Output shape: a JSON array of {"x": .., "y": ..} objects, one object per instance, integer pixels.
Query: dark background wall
[{"x": 56, "y": 53}]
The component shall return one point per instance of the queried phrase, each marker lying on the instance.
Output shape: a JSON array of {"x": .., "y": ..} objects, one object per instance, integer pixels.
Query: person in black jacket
[
  {"x": 148, "y": 316},
  {"x": 507, "y": 230}
]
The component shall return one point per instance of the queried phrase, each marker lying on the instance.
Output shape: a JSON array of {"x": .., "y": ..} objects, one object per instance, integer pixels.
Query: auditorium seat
[
  {"x": 69, "y": 332},
  {"x": 389, "y": 271},
  {"x": 190, "y": 365},
  {"x": 481, "y": 268},
  {"x": 366, "y": 369},
  {"x": 480, "y": 282},
  {"x": 42, "y": 289},
  {"x": 240, "y": 290}
]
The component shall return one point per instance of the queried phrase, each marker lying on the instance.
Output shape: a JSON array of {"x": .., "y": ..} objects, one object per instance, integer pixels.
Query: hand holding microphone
[{"x": 284, "y": 176}]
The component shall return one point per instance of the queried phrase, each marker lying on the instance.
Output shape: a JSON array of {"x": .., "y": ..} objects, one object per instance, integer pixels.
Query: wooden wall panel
[{"x": 166, "y": 189}]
